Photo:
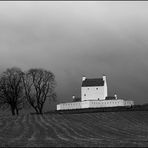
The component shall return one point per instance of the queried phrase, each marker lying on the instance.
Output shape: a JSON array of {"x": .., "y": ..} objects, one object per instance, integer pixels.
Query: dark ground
[{"x": 109, "y": 129}]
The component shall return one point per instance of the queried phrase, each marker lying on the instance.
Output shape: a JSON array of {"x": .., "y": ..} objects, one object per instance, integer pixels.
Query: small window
[
  {"x": 88, "y": 88},
  {"x": 96, "y": 88},
  {"x": 84, "y": 94}
]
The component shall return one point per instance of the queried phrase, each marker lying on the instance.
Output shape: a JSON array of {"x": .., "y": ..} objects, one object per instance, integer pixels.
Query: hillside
[{"x": 87, "y": 129}]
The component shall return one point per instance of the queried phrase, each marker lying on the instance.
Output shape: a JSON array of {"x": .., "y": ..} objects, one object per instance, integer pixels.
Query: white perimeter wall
[
  {"x": 73, "y": 105},
  {"x": 129, "y": 103},
  {"x": 94, "y": 104},
  {"x": 106, "y": 103}
]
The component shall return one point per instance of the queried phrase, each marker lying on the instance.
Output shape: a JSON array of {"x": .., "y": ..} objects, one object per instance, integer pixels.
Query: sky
[{"x": 73, "y": 39}]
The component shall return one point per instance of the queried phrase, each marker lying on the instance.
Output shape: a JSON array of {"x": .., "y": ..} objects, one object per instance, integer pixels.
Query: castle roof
[
  {"x": 93, "y": 82},
  {"x": 110, "y": 98}
]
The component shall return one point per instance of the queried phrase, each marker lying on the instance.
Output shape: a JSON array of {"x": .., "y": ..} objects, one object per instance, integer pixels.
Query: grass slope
[{"x": 88, "y": 129}]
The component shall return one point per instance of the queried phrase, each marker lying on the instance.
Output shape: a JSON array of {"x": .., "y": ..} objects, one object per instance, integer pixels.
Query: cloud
[{"x": 75, "y": 38}]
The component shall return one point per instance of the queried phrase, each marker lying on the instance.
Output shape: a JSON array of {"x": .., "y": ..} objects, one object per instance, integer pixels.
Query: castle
[
  {"x": 94, "y": 94},
  {"x": 94, "y": 89}
]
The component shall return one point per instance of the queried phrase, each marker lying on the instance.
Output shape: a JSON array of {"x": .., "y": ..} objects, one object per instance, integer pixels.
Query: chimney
[
  {"x": 115, "y": 96},
  {"x": 73, "y": 97},
  {"x": 104, "y": 78},
  {"x": 83, "y": 78}
]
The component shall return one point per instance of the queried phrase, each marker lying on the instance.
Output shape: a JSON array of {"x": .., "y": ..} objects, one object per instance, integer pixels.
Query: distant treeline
[
  {"x": 19, "y": 89},
  {"x": 141, "y": 107}
]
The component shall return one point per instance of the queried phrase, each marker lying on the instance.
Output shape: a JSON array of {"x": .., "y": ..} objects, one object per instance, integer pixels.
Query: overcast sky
[{"x": 72, "y": 39}]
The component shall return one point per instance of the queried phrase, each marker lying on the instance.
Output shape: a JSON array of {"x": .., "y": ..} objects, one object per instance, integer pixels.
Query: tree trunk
[
  {"x": 17, "y": 112},
  {"x": 41, "y": 112},
  {"x": 41, "y": 108},
  {"x": 12, "y": 111},
  {"x": 36, "y": 109}
]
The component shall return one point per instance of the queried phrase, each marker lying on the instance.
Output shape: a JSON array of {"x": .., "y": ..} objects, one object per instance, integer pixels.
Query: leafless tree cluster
[
  {"x": 39, "y": 85},
  {"x": 34, "y": 85}
]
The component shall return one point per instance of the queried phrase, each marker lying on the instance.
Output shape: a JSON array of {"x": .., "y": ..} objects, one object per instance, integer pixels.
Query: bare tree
[
  {"x": 11, "y": 89},
  {"x": 39, "y": 85}
]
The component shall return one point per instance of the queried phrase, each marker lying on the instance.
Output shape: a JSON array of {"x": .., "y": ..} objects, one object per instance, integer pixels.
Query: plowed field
[{"x": 88, "y": 129}]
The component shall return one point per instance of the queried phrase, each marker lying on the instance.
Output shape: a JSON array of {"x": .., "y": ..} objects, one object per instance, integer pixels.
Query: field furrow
[
  {"x": 74, "y": 130},
  {"x": 63, "y": 136}
]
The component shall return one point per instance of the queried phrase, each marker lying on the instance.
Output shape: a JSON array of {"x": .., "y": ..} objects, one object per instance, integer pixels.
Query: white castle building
[
  {"x": 94, "y": 89},
  {"x": 94, "y": 94}
]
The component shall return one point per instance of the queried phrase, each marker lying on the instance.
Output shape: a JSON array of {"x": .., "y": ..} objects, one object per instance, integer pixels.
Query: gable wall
[{"x": 92, "y": 93}]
